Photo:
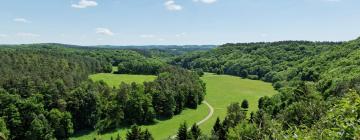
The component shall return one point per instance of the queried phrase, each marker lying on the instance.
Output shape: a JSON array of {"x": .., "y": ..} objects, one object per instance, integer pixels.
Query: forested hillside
[
  {"x": 45, "y": 92},
  {"x": 318, "y": 81}
]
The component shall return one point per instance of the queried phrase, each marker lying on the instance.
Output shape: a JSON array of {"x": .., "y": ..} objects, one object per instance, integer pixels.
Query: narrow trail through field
[{"x": 210, "y": 114}]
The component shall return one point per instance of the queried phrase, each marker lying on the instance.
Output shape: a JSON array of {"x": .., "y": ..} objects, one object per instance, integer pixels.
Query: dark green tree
[
  {"x": 195, "y": 131},
  {"x": 217, "y": 126},
  {"x": 245, "y": 104},
  {"x": 134, "y": 133},
  {"x": 182, "y": 132},
  {"x": 147, "y": 135}
]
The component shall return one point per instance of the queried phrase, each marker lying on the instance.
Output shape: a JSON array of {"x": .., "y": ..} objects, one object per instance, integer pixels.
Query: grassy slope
[
  {"x": 224, "y": 89},
  {"x": 221, "y": 91}
]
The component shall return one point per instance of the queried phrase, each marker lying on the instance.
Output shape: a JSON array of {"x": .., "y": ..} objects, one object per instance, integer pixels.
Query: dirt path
[{"x": 210, "y": 114}]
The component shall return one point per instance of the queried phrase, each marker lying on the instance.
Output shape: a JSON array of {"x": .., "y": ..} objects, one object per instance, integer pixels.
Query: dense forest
[
  {"x": 318, "y": 84},
  {"x": 45, "y": 92}
]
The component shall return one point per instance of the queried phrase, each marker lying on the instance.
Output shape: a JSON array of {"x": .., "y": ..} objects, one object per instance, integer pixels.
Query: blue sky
[{"x": 145, "y": 22}]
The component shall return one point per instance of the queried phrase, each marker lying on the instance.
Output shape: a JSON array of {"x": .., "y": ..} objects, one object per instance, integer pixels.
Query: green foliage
[
  {"x": 144, "y": 66},
  {"x": 245, "y": 104},
  {"x": 147, "y": 135},
  {"x": 182, "y": 133},
  {"x": 61, "y": 122},
  {"x": 195, "y": 131},
  {"x": 39, "y": 129},
  {"x": 4, "y": 132},
  {"x": 137, "y": 134},
  {"x": 311, "y": 78},
  {"x": 134, "y": 134},
  {"x": 235, "y": 114}
]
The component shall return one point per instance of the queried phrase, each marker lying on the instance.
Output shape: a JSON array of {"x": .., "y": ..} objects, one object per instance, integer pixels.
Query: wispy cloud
[
  {"x": 104, "y": 31},
  {"x": 171, "y": 5},
  {"x": 147, "y": 36},
  {"x": 27, "y": 35},
  {"x": 85, "y": 4},
  {"x": 181, "y": 34},
  {"x": 206, "y": 1},
  {"x": 22, "y": 20}
]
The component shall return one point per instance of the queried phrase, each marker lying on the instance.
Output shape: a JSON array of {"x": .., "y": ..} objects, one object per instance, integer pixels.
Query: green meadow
[
  {"x": 225, "y": 89},
  {"x": 115, "y": 80},
  {"x": 221, "y": 91}
]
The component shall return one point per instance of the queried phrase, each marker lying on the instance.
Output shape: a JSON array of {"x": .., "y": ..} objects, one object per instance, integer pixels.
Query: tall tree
[
  {"x": 195, "y": 131},
  {"x": 182, "y": 132},
  {"x": 147, "y": 135},
  {"x": 134, "y": 133}
]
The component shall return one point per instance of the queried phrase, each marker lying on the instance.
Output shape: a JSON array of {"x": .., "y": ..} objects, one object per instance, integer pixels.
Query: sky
[{"x": 176, "y": 22}]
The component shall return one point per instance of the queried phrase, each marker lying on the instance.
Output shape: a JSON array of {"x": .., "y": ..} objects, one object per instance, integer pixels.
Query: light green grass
[
  {"x": 221, "y": 91},
  {"x": 114, "y": 80},
  {"x": 224, "y": 89},
  {"x": 161, "y": 130}
]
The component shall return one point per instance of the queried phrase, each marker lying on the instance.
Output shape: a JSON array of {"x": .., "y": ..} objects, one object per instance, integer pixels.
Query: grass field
[
  {"x": 224, "y": 89},
  {"x": 221, "y": 91},
  {"x": 115, "y": 79}
]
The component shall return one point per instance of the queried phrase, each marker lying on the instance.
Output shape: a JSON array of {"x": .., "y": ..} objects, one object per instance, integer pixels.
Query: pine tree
[
  {"x": 182, "y": 132},
  {"x": 245, "y": 104},
  {"x": 134, "y": 133},
  {"x": 147, "y": 135},
  {"x": 217, "y": 126},
  {"x": 195, "y": 131}
]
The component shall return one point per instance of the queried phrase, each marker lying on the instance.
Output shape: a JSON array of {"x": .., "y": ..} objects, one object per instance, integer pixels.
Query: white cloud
[
  {"x": 23, "y": 20},
  {"x": 27, "y": 35},
  {"x": 206, "y": 1},
  {"x": 181, "y": 34},
  {"x": 161, "y": 39},
  {"x": 147, "y": 36},
  {"x": 85, "y": 4},
  {"x": 104, "y": 31},
  {"x": 172, "y": 6}
]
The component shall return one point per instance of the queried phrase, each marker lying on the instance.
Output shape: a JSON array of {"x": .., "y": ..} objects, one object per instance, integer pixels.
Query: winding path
[{"x": 210, "y": 114}]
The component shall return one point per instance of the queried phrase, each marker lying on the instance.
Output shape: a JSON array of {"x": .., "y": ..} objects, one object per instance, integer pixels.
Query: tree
[
  {"x": 134, "y": 133},
  {"x": 4, "y": 132},
  {"x": 13, "y": 121},
  {"x": 217, "y": 126},
  {"x": 235, "y": 114},
  {"x": 182, "y": 132},
  {"x": 195, "y": 131},
  {"x": 61, "y": 122},
  {"x": 147, "y": 135},
  {"x": 245, "y": 104},
  {"x": 39, "y": 129}
]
